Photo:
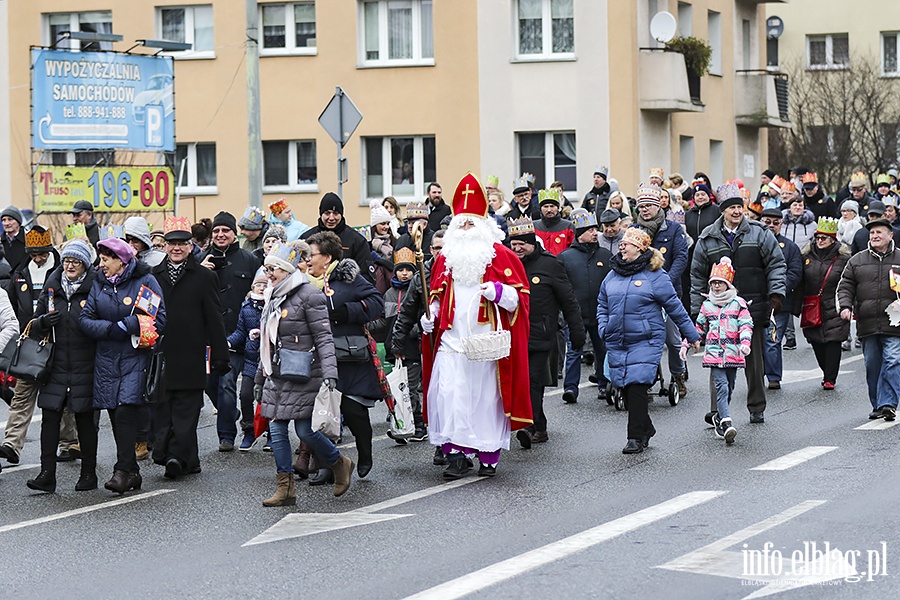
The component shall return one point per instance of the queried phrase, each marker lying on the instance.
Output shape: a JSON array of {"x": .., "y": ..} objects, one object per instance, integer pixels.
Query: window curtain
[
  {"x": 565, "y": 142},
  {"x": 173, "y": 24},
  {"x": 206, "y": 164},
  {"x": 531, "y": 39},
  {"x": 399, "y": 29},
  {"x": 95, "y": 22},
  {"x": 562, "y": 13},
  {"x": 275, "y": 163},
  {"x": 59, "y": 23},
  {"x": 372, "y": 41},
  {"x": 305, "y": 25},
  {"x": 306, "y": 162},
  {"x": 427, "y": 29},
  {"x": 203, "y": 28},
  {"x": 273, "y": 26}
]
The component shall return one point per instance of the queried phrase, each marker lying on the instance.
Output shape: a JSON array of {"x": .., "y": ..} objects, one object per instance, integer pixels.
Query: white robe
[{"x": 464, "y": 404}]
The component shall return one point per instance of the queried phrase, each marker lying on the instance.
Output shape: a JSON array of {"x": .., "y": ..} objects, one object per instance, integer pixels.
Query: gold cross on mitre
[{"x": 466, "y": 194}]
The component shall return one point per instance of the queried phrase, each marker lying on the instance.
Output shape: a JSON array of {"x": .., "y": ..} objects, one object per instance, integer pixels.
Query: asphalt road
[{"x": 573, "y": 518}]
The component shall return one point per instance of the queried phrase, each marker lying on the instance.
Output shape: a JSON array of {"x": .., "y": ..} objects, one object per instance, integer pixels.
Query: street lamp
[
  {"x": 162, "y": 45},
  {"x": 87, "y": 36}
]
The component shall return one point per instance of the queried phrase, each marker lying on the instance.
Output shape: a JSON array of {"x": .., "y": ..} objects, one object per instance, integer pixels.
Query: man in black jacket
[
  {"x": 439, "y": 208},
  {"x": 586, "y": 265},
  {"x": 595, "y": 200},
  {"x": 13, "y": 236},
  {"x": 551, "y": 293},
  {"x": 234, "y": 269},
  {"x": 195, "y": 321},
  {"x": 331, "y": 218}
]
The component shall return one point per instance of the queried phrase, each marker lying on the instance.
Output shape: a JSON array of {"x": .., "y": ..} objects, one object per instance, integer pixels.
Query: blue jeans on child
[
  {"x": 723, "y": 380},
  {"x": 281, "y": 445}
]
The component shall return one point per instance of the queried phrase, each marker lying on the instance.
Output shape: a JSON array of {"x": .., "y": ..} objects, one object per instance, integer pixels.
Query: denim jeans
[
  {"x": 723, "y": 380},
  {"x": 881, "y": 354},
  {"x": 222, "y": 390},
  {"x": 573, "y": 362},
  {"x": 773, "y": 358},
  {"x": 281, "y": 444}
]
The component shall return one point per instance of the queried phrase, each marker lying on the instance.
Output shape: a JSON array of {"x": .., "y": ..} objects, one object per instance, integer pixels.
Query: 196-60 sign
[{"x": 109, "y": 189}]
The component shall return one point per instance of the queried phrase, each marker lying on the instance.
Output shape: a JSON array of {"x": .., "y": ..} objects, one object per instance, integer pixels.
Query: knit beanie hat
[
  {"x": 331, "y": 201},
  {"x": 225, "y": 219},
  {"x": 78, "y": 250},
  {"x": 378, "y": 213},
  {"x": 850, "y": 205},
  {"x": 12, "y": 212},
  {"x": 120, "y": 248},
  {"x": 275, "y": 231}
]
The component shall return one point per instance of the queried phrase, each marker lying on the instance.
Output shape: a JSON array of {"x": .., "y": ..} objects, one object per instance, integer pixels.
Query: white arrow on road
[
  {"x": 715, "y": 559},
  {"x": 303, "y": 524}
]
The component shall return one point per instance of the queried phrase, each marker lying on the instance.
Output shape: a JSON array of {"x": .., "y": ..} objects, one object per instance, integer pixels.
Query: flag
[
  {"x": 148, "y": 301},
  {"x": 895, "y": 281}
]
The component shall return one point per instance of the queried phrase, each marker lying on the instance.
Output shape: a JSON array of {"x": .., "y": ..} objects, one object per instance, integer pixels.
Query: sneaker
[
  {"x": 267, "y": 447},
  {"x": 774, "y": 385},
  {"x": 876, "y": 414},
  {"x": 592, "y": 378},
  {"x": 246, "y": 442},
  {"x": 226, "y": 446},
  {"x": 400, "y": 441},
  {"x": 570, "y": 397},
  {"x": 790, "y": 344},
  {"x": 710, "y": 418},
  {"x": 857, "y": 343},
  {"x": 828, "y": 385},
  {"x": 601, "y": 393},
  {"x": 889, "y": 413},
  {"x": 524, "y": 437},
  {"x": 728, "y": 431},
  {"x": 720, "y": 428},
  {"x": 845, "y": 345},
  {"x": 420, "y": 435}
]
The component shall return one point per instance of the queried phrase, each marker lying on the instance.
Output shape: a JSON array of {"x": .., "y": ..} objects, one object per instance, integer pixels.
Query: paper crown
[
  {"x": 858, "y": 179},
  {"x": 637, "y": 237},
  {"x": 584, "y": 220},
  {"x": 284, "y": 252},
  {"x": 491, "y": 181},
  {"x": 404, "y": 256},
  {"x": 112, "y": 231},
  {"x": 745, "y": 193},
  {"x": 727, "y": 191},
  {"x": 520, "y": 227},
  {"x": 416, "y": 210},
  {"x": 602, "y": 170},
  {"x": 519, "y": 185},
  {"x": 278, "y": 206},
  {"x": 252, "y": 216},
  {"x": 177, "y": 224},
  {"x": 551, "y": 195},
  {"x": 469, "y": 197},
  {"x": 657, "y": 172},
  {"x": 789, "y": 186},
  {"x": 723, "y": 270},
  {"x": 809, "y": 178},
  {"x": 75, "y": 230},
  {"x": 883, "y": 178},
  {"x": 755, "y": 207},
  {"x": 529, "y": 177},
  {"x": 648, "y": 194},
  {"x": 365, "y": 231},
  {"x": 38, "y": 237},
  {"x": 827, "y": 226},
  {"x": 148, "y": 334},
  {"x": 777, "y": 183}
]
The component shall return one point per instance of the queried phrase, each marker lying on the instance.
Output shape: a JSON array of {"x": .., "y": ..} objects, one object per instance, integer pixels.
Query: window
[
  {"x": 398, "y": 166},
  {"x": 685, "y": 18},
  {"x": 546, "y": 28},
  {"x": 290, "y": 166},
  {"x": 189, "y": 25},
  {"x": 91, "y": 158},
  {"x": 549, "y": 157},
  {"x": 745, "y": 44},
  {"x": 396, "y": 33},
  {"x": 288, "y": 28},
  {"x": 889, "y": 46},
  {"x": 715, "y": 42},
  {"x": 686, "y": 156},
  {"x": 828, "y": 51},
  {"x": 199, "y": 170},
  {"x": 94, "y": 22}
]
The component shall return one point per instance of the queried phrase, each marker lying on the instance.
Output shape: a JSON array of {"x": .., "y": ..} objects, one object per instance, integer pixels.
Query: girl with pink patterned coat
[{"x": 727, "y": 326}]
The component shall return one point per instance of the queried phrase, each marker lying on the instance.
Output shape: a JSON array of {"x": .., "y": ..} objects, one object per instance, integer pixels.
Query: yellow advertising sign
[{"x": 109, "y": 189}]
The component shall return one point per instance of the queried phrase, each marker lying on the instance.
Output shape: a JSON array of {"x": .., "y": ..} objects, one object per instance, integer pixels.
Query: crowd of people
[{"x": 486, "y": 302}]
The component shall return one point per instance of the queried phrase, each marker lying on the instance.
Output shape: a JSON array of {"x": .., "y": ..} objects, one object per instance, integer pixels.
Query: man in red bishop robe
[{"x": 472, "y": 406}]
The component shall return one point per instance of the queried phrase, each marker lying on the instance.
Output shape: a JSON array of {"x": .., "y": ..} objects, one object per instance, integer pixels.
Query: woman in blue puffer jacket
[
  {"x": 629, "y": 319},
  {"x": 120, "y": 369}
]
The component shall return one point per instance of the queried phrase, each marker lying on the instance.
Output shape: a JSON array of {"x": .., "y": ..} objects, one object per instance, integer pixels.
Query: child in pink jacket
[{"x": 726, "y": 324}]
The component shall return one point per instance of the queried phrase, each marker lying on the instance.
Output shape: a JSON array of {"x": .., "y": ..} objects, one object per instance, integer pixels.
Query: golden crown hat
[
  {"x": 883, "y": 178},
  {"x": 520, "y": 184},
  {"x": 38, "y": 238},
  {"x": 75, "y": 230},
  {"x": 148, "y": 334},
  {"x": 285, "y": 253},
  {"x": 858, "y": 179},
  {"x": 637, "y": 237},
  {"x": 278, "y": 206},
  {"x": 173, "y": 224},
  {"x": 827, "y": 226},
  {"x": 469, "y": 197},
  {"x": 657, "y": 172},
  {"x": 745, "y": 193},
  {"x": 723, "y": 270},
  {"x": 112, "y": 231},
  {"x": 789, "y": 186},
  {"x": 755, "y": 207},
  {"x": 520, "y": 226},
  {"x": 404, "y": 256},
  {"x": 809, "y": 178},
  {"x": 529, "y": 177},
  {"x": 584, "y": 220},
  {"x": 416, "y": 210},
  {"x": 551, "y": 195},
  {"x": 491, "y": 181}
]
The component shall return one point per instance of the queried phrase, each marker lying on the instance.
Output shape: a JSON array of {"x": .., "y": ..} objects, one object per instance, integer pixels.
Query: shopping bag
[
  {"x": 402, "y": 423},
  {"x": 260, "y": 423},
  {"x": 326, "y": 415}
]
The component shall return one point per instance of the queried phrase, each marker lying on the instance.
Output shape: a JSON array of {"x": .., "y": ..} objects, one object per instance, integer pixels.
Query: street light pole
[{"x": 254, "y": 139}]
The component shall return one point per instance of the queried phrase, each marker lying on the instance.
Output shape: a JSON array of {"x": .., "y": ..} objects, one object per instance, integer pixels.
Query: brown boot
[
  {"x": 141, "y": 452},
  {"x": 678, "y": 378},
  {"x": 301, "y": 465},
  {"x": 342, "y": 468},
  {"x": 284, "y": 494}
]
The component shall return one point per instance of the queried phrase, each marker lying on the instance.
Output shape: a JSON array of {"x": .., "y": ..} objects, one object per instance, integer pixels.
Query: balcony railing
[
  {"x": 761, "y": 99},
  {"x": 663, "y": 83}
]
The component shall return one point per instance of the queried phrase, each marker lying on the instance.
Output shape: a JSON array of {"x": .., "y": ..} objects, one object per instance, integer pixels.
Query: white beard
[{"x": 468, "y": 252}]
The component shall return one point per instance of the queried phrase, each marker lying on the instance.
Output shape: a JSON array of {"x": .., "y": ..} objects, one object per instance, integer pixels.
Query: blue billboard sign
[{"x": 102, "y": 100}]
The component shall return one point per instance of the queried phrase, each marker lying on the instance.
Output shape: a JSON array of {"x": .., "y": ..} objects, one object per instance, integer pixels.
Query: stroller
[{"x": 615, "y": 397}]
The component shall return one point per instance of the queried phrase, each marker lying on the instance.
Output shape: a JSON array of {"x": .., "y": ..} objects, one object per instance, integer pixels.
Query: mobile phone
[{"x": 218, "y": 262}]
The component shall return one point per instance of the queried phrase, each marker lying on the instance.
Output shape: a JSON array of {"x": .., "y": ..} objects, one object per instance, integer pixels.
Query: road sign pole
[
  {"x": 340, "y": 128},
  {"x": 339, "y": 94}
]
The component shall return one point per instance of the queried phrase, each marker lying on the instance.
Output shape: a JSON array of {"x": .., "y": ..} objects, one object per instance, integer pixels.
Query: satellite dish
[
  {"x": 774, "y": 27},
  {"x": 663, "y": 27}
]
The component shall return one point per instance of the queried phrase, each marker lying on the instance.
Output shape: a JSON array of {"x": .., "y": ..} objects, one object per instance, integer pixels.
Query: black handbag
[
  {"x": 351, "y": 348},
  {"x": 27, "y": 358},
  {"x": 293, "y": 365},
  {"x": 154, "y": 390}
]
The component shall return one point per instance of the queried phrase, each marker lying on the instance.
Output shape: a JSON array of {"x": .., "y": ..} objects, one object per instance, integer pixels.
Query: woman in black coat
[
  {"x": 71, "y": 382},
  {"x": 352, "y": 302}
]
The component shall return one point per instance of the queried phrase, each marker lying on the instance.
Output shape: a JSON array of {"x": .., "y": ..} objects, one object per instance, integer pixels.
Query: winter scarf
[
  {"x": 71, "y": 286},
  {"x": 723, "y": 298},
  {"x": 319, "y": 282},
  {"x": 652, "y": 226},
  {"x": 271, "y": 316},
  {"x": 627, "y": 269}
]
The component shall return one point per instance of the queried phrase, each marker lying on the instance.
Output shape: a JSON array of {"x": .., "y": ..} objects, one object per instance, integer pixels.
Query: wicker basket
[{"x": 484, "y": 347}]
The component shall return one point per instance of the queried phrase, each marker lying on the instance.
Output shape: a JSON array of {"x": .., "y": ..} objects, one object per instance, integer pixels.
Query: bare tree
[{"x": 843, "y": 121}]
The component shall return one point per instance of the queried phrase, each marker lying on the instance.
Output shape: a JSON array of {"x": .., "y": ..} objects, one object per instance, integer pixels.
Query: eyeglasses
[
  {"x": 131, "y": 238},
  {"x": 71, "y": 262},
  {"x": 772, "y": 221},
  {"x": 179, "y": 243},
  {"x": 269, "y": 269}
]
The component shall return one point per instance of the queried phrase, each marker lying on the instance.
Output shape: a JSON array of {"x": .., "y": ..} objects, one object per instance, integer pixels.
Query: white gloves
[
  {"x": 489, "y": 291},
  {"x": 745, "y": 350},
  {"x": 427, "y": 320},
  {"x": 254, "y": 334}
]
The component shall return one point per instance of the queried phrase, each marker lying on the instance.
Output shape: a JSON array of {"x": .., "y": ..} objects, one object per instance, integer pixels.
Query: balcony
[
  {"x": 761, "y": 99},
  {"x": 663, "y": 83}
]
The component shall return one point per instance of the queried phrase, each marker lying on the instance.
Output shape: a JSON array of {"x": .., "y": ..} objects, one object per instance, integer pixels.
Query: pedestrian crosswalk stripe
[
  {"x": 877, "y": 424},
  {"x": 795, "y": 458}
]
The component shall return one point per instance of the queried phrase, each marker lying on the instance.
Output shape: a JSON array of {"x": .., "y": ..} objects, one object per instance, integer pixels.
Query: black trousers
[
  {"x": 87, "y": 438},
  {"x": 146, "y": 431},
  {"x": 356, "y": 418},
  {"x": 126, "y": 419},
  {"x": 538, "y": 363},
  {"x": 176, "y": 417},
  {"x": 828, "y": 355},
  {"x": 639, "y": 422},
  {"x": 247, "y": 412}
]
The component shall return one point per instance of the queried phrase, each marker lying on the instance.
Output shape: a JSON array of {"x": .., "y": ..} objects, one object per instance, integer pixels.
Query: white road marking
[
  {"x": 20, "y": 468},
  {"x": 795, "y": 458},
  {"x": 878, "y": 424},
  {"x": 303, "y": 524},
  {"x": 83, "y": 510},
  {"x": 517, "y": 565}
]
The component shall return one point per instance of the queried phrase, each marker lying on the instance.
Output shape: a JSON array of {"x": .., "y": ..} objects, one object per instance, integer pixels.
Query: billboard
[
  {"x": 84, "y": 100},
  {"x": 109, "y": 189}
]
